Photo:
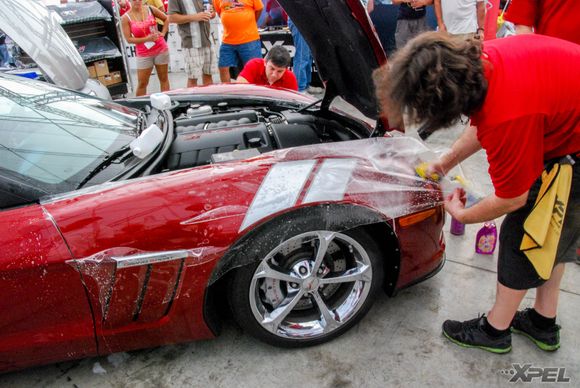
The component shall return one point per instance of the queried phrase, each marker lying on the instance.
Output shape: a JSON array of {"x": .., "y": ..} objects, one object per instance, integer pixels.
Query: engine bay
[{"x": 205, "y": 131}]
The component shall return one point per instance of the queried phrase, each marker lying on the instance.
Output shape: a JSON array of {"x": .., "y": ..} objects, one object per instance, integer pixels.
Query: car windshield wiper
[{"x": 116, "y": 156}]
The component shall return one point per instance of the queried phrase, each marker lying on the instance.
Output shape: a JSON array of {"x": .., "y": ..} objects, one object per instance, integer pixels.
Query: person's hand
[
  {"x": 203, "y": 16},
  {"x": 442, "y": 27},
  {"x": 153, "y": 37},
  {"x": 434, "y": 171},
  {"x": 480, "y": 33},
  {"x": 455, "y": 203}
]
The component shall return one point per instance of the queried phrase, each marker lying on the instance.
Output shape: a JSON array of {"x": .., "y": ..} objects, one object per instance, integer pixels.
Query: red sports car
[{"x": 128, "y": 225}]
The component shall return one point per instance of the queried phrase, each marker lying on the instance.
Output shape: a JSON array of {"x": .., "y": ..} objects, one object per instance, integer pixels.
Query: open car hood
[
  {"x": 38, "y": 32},
  {"x": 345, "y": 47}
]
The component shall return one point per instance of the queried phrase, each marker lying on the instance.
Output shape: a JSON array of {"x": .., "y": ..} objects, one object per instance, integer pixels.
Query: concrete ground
[{"x": 399, "y": 343}]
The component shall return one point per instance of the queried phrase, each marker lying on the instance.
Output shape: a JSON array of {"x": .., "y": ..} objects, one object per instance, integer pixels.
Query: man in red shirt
[
  {"x": 546, "y": 17},
  {"x": 271, "y": 71},
  {"x": 523, "y": 96},
  {"x": 553, "y": 18}
]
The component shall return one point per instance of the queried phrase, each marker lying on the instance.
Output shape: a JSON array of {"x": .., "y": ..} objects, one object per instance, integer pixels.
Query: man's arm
[
  {"x": 176, "y": 14},
  {"x": 487, "y": 209},
  {"x": 249, "y": 72},
  {"x": 178, "y": 18},
  {"x": 439, "y": 15},
  {"x": 161, "y": 15},
  {"x": 480, "y": 17},
  {"x": 466, "y": 145}
]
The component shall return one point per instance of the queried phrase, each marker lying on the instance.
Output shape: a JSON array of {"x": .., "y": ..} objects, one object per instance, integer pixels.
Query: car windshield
[{"x": 55, "y": 136}]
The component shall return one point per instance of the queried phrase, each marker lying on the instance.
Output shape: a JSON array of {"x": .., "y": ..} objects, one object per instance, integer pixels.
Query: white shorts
[
  {"x": 199, "y": 61},
  {"x": 148, "y": 62}
]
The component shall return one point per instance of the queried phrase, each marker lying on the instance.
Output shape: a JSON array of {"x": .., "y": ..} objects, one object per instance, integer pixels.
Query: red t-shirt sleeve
[
  {"x": 290, "y": 81},
  {"x": 515, "y": 151},
  {"x": 253, "y": 69},
  {"x": 523, "y": 12}
]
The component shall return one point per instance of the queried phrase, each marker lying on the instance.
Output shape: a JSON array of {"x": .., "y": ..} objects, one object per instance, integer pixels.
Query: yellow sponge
[{"x": 421, "y": 170}]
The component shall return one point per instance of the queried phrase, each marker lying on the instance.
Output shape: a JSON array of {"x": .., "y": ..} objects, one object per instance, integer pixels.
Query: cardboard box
[
  {"x": 117, "y": 78},
  {"x": 92, "y": 71},
  {"x": 106, "y": 79},
  {"x": 101, "y": 67}
]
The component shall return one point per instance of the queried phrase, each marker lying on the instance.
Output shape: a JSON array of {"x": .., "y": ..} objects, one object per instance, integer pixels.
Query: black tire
[{"x": 271, "y": 236}]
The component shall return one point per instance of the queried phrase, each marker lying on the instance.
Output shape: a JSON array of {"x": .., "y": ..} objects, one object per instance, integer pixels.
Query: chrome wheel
[{"x": 310, "y": 285}]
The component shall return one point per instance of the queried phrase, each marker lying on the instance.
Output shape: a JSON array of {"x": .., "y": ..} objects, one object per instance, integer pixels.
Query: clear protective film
[
  {"x": 379, "y": 173},
  {"x": 120, "y": 275},
  {"x": 334, "y": 187}
]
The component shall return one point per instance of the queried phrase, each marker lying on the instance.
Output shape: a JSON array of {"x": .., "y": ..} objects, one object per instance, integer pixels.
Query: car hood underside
[{"x": 345, "y": 47}]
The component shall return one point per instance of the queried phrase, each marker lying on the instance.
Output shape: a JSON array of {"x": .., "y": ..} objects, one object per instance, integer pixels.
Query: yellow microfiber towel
[{"x": 543, "y": 225}]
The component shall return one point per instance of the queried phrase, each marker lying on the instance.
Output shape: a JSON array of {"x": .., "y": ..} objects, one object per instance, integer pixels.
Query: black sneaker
[
  {"x": 548, "y": 340},
  {"x": 470, "y": 334}
]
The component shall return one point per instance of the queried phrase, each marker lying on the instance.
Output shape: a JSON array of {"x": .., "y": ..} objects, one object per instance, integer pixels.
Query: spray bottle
[{"x": 457, "y": 228}]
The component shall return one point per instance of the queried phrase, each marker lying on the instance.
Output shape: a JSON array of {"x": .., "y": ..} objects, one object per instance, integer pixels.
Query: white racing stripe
[
  {"x": 330, "y": 181},
  {"x": 279, "y": 190}
]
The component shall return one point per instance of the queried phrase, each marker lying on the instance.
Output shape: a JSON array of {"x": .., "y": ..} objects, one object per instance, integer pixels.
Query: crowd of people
[{"x": 145, "y": 24}]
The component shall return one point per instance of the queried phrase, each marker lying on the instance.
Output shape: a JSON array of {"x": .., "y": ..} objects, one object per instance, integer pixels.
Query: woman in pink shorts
[{"x": 140, "y": 28}]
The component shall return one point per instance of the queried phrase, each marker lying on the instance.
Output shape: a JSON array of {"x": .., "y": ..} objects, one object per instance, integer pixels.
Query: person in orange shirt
[{"x": 241, "y": 40}]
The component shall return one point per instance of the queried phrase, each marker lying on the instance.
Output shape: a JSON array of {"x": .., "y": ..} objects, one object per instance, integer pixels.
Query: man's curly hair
[{"x": 436, "y": 78}]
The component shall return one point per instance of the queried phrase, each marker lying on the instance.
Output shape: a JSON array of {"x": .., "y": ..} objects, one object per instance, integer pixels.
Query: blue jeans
[
  {"x": 384, "y": 18},
  {"x": 231, "y": 54},
  {"x": 302, "y": 66}
]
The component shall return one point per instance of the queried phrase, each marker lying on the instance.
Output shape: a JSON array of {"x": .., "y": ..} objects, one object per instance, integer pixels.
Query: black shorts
[{"x": 514, "y": 270}]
